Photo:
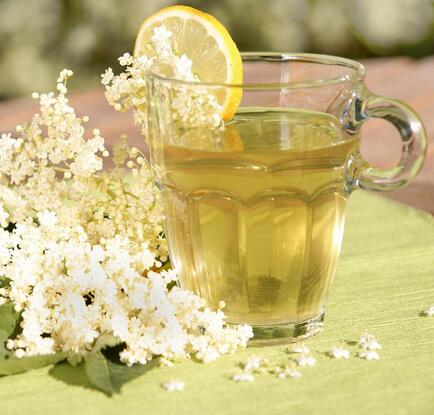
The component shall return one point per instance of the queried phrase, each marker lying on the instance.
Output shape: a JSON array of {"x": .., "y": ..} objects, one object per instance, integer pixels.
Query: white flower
[
  {"x": 299, "y": 347},
  {"x": 243, "y": 377},
  {"x": 287, "y": 372},
  {"x": 4, "y": 217},
  {"x": 254, "y": 362},
  {"x": 191, "y": 107},
  {"x": 183, "y": 69},
  {"x": 305, "y": 360},
  {"x": 174, "y": 385},
  {"x": 429, "y": 312},
  {"x": 47, "y": 219},
  {"x": 161, "y": 35},
  {"x": 87, "y": 257},
  {"x": 62, "y": 88},
  {"x": 107, "y": 76},
  {"x": 339, "y": 353},
  {"x": 125, "y": 59},
  {"x": 64, "y": 75},
  {"x": 369, "y": 342},
  {"x": 369, "y": 355}
]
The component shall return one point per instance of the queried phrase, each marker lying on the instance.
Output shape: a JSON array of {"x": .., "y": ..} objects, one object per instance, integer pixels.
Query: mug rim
[{"x": 356, "y": 73}]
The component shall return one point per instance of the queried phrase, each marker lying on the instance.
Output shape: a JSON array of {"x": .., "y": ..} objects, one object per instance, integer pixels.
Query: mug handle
[{"x": 414, "y": 143}]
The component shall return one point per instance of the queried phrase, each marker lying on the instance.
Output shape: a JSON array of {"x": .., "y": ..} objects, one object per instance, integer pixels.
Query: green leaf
[
  {"x": 98, "y": 372},
  {"x": 108, "y": 376},
  {"x": 4, "y": 281},
  {"x": 14, "y": 365},
  {"x": 3, "y": 338},
  {"x": 105, "y": 340},
  {"x": 9, "y": 319},
  {"x": 122, "y": 374}
]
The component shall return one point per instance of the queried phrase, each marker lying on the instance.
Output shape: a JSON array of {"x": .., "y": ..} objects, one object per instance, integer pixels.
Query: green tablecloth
[{"x": 385, "y": 277}]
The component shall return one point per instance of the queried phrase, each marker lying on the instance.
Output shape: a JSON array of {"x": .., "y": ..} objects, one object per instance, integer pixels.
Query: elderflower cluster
[
  {"x": 188, "y": 106},
  {"x": 243, "y": 377},
  {"x": 428, "y": 312},
  {"x": 51, "y": 144},
  {"x": 253, "y": 365},
  {"x": 339, "y": 353},
  {"x": 83, "y": 250},
  {"x": 368, "y": 347},
  {"x": 286, "y": 371},
  {"x": 303, "y": 356},
  {"x": 174, "y": 386}
]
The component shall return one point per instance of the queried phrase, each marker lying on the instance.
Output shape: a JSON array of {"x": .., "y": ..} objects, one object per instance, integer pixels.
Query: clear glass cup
[{"x": 255, "y": 210}]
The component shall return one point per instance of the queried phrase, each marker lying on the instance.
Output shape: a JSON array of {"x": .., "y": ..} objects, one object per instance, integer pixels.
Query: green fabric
[{"x": 385, "y": 277}]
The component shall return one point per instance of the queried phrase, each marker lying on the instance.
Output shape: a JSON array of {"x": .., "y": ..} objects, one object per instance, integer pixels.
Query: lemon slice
[
  {"x": 207, "y": 43},
  {"x": 231, "y": 140}
]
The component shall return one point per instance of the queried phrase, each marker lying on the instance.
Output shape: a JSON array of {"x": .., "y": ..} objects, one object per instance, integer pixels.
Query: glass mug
[{"x": 255, "y": 210}]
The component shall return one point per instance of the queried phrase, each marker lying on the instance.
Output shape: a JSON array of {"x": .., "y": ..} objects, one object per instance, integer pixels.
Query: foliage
[{"x": 42, "y": 36}]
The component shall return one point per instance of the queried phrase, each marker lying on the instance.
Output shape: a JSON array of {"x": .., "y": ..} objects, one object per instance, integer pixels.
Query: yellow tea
[{"x": 256, "y": 219}]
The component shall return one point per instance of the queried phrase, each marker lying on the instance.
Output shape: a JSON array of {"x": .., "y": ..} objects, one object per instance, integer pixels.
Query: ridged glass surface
[{"x": 257, "y": 220}]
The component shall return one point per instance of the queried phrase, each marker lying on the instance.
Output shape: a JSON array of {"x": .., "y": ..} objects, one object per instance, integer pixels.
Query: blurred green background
[{"x": 40, "y": 37}]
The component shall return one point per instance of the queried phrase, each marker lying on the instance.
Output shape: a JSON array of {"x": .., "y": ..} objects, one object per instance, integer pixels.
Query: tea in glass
[
  {"x": 255, "y": 210},
  {"x": 260, "y": 226}
]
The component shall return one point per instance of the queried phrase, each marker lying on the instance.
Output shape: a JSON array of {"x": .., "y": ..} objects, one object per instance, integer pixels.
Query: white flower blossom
[
  {"x": 174, "y": 386},
  {"x": 125, "y": 60},
  {"x": 243, "y": 377},
  {"x": 47, "y": 219},
  {"x": 161, "y": 36},
  {"x": 369, "y": 347},
  {"x": 305, "y": 360},
  {"x": 368, "y": 355},
  {"x": 64, "y": 75},
  {"x": 4, "y": 217},
  {"x": 428, "y": 312},
  {"x": 287, "y": 372},
  {"x": 254, "y": 363},
  {"x": 339, "y": 353},
  {"x": 183, "y": 69},
  {"x": 369, "y": 342},
  {"x": 85, "y": 253},
  {"x": 107, "y": 76},
  {"x": 299, "y": 347},
  {"x": 191, "y": 106},
  {"x": 61, "y": 88}
]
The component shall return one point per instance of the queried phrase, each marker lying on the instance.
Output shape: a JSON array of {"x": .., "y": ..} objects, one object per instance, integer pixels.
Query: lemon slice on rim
[{"x": 207, "y": 43}]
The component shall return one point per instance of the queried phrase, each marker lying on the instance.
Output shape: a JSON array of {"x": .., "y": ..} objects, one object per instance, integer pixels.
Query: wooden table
[{"x": 403, "y": 78}]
